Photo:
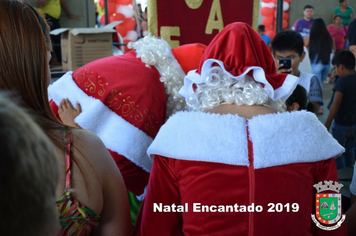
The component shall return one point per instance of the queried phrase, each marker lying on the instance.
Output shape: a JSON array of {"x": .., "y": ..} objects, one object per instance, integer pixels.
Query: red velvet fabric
[
  {"x": 129, "y": 88},
  {"x": 193, "y": 22},
  {"x": 239, "y": 47},
  {"x": 179, "y": 182},
  {"x": 135, "y": 178},
  {"x": 188, "y": 55},
  {"x": 54, "y": 109}
]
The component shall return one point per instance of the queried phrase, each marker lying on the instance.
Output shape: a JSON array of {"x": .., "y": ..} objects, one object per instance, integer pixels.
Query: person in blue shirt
[{"x": 266, "y": 38}]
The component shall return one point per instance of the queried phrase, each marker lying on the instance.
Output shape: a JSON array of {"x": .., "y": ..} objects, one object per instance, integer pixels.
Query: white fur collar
[{"x": 278, "y": 139}]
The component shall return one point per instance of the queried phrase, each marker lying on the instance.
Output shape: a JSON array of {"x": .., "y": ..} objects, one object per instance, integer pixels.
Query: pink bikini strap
[{"x": 68, "y": 153}]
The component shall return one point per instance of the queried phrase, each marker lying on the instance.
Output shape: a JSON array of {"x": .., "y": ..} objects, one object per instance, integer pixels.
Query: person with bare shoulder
[{"x": 91, "y": 195}]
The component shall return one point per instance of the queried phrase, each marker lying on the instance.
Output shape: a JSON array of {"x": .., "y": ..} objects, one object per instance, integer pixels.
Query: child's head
[
  {"x": 261, "y": 29},
  {"x": 289, "y": 44},
  {"x": 343, "y": 61},
  {"x": 297, "y": 100}
]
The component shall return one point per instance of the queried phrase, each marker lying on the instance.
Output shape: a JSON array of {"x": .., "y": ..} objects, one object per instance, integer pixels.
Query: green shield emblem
[{"x": 328, "y": 208}]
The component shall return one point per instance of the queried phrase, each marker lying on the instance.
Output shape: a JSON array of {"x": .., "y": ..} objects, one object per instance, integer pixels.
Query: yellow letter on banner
[
  {"x": 167, "y": 32},
  {"x": 194, "y": 4},
  {"x": 212, "y": 23}
]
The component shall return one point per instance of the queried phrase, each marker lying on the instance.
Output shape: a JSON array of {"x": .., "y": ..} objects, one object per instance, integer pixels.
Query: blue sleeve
[
  {"x": 268, "y": 40},
  {"x": 315, "y": 91}
]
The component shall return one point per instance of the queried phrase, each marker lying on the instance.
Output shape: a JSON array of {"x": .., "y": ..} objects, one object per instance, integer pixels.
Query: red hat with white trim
[
  {"x": 124, "y": 101},
  {"x": 240, "y": 51}
]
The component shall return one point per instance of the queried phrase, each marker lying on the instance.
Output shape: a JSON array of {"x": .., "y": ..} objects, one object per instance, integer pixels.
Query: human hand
[
  {"x": 327, "y": 125},
  {"x": 68, "y": 113},
  {"x": 284, "y": 71}
]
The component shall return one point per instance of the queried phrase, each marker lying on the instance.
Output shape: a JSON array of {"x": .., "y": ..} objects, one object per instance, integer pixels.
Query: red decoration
[
  {"x": 102, "y": 4},
  {"x": 102, "y": 19},
  {"x": 123, "y": 2},
  {"x": 266, "y": 11},
  {"x": 126, "y": 49},
  {"x": 271, "y": 34},
  {"x": 267, "y": 21},
  {"x": 200, "y": 30},
  {"x": 266, "y": 1},
  {"x": 285, "y": 15},
  {"x": 129, "y": 24},
  {"x": 121, "y": 30},
  {"x": 119, "y": 17},
  {"x": 268, "y": 27},
  {"x": 285, "y": 24},
  {"x": 111, "y": 8}
]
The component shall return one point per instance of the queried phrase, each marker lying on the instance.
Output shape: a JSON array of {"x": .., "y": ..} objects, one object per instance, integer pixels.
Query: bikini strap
[{"x": 68, "y": 152}]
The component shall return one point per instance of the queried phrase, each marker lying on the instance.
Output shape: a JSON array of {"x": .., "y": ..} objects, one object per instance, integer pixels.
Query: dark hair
[
  {"x": 24, "y": 63},
  {"x": 337, "y": 16},
  {"x": 308, "y": 6},
  {"x": 341, "y": 1},
  {"x": 299, "y": 96},
  {"x": 261, "y": 28},
  {"x": 288, "y": 40},
  {"x": 320, "y": 42},
  {"x": 345, "y": 58}
]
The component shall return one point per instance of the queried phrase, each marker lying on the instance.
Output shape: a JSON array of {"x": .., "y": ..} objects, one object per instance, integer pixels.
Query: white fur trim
[
  {"x": 259, "y": 75},
  {"x": 277, "y": 139},
  {"x": 286, "y": 138},
  {"x": 198, "y": 136},
  {"x": 117, "y": 134}
]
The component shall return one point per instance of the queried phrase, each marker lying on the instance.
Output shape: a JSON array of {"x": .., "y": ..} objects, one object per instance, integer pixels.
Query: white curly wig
[
  {"x": 219, "y": 88},
  {"x": 157, "y": 52}
]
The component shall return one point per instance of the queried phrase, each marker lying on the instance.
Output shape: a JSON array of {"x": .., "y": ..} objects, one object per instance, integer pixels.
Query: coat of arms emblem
[{"x": 328, "y": 206}]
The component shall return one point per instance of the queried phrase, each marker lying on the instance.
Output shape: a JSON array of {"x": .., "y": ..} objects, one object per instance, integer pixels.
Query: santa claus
[
  {"x": 224, "y": 167},
  {"x": 125, "y": 100}
]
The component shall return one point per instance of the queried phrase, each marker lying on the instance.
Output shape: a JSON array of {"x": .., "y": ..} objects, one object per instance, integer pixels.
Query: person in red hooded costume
[
  {"x": 237, "y": 164},
  {"x": 125, "y": 100}
]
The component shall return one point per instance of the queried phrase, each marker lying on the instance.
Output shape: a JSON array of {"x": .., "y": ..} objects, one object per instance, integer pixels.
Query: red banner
[{"x": 197, "y": 21}]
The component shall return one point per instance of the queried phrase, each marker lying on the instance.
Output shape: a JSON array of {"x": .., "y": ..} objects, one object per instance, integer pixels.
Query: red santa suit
[
  {"x": 124, "y": 101},
  {"x": 227, "y": 175}
]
